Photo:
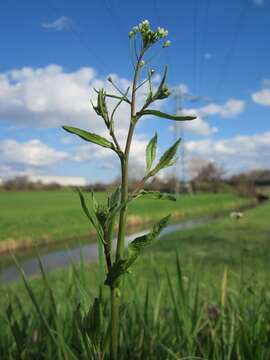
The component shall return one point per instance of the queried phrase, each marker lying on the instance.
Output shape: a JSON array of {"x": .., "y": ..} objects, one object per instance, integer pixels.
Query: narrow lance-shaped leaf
[
  {"x": 90, "y": 213},
  {"x": 165, "y": 115},
  {"x": 154, "y": 195},
  {"x": 135, "y": 248},
  {"x": 162, "y": 82},
  {"x": 114, "y": 199},
  {"x": 151, "y": 151},
  {"x": 166, "y": 159},
  {"x": 93, "y": 323},
  {"x": 163, "y": 91},
  {"x": 87, "y": 136}
]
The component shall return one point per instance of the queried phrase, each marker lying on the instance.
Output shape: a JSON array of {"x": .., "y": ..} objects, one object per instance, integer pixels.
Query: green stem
[
  {"x": 122, "y": 216},
  {"x": 114, "y": 324}
]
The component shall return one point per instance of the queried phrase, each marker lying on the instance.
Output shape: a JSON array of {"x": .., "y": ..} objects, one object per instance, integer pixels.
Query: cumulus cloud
[
  {"x": 108, "y": 159},
  {"x": 231, "y": 108},
  {"x": 32, "y": 153},
  {"x": 199, "y": 126},
  {"x": 245, "y": 152},
  {"x": 261, "y": 97},
  {"x": 50, "y": 97},
  {"x": 61, "y": 23}
]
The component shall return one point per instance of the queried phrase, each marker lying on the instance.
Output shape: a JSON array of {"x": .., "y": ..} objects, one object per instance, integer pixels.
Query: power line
[
  {"x": 115, "y": 20},
  {"x": 158, "y": 17},
  {"x": 204, "y": 43},
  {"x": 78, "y": 35},
  {"x": 179, "y": 130},
  {"x": 231, "y": 50},
  {"x": 195, "y": 41}
]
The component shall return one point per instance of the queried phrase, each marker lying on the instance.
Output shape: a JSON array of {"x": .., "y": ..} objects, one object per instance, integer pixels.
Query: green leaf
[
  {"x": 154, "y": 195},
  {"x": 90, "y": 213},
  {"x": 151, "y": 151},
  {"x": 114, "y": 199},
  {"x": 159, "y": 90},
  {"x": 135, "y": 248},
  {"x": 87, "y": 136},
  {"x": 166, "y": 159},
  {"x": 166, "y": 116},
  {"x": 118, "y": 269},
  {"x": 163, "y": 91},
  {"x": 93, "y": 323}
]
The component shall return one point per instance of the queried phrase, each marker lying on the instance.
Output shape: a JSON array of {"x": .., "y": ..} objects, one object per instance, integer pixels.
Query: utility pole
[
  {"x": 179, "y": 132},
  {"x": 180, "y": 168}
]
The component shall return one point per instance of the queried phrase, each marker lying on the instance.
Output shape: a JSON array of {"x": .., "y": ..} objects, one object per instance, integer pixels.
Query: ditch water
[{"x": 63, "y": 257}]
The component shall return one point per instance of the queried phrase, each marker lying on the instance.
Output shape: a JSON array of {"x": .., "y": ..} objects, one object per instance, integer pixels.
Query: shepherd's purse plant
[{"x": 107, "y": 218}]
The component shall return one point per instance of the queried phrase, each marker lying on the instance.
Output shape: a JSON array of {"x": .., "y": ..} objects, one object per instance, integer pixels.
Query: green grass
[
  {"x": 214, "y": 306},
  {"x": 28, "y": 217}
]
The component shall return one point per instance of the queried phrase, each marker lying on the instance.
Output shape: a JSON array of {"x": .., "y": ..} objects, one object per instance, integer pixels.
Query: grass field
[
  {"x": 28, "y": 217},
  {"x": 215, "y": 307}
]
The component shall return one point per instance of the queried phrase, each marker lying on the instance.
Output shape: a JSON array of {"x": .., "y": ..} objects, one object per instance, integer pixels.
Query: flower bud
[{"x": 167, "y": 44}]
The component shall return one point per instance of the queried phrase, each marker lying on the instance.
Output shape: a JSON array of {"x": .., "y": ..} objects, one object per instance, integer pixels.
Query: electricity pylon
[{"x": 180, "y": 95}]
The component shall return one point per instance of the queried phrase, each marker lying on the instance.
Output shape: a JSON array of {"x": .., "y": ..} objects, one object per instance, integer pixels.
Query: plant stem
[
  {"x": 124, "y": 165},
  {"x": 114, "y": 324},
  {"x": 122, "y": 217}
]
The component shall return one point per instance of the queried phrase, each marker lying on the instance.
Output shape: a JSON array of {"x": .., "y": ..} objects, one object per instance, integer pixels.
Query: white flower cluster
[
  {"x": 149, "y": 36},
  {"x": 162, "y": 32}
]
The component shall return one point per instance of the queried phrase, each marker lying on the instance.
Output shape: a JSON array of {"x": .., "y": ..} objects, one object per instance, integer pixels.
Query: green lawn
[{"x": 46, "y": 216}]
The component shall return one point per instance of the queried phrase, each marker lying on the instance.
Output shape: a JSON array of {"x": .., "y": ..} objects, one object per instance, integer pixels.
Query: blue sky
[{"x": 54, "y": 52}]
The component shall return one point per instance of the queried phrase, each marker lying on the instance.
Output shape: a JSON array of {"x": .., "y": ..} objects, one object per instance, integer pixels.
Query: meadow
[
  {"x": 52, "y": 216},
  {"x": 196, "y": 294}
]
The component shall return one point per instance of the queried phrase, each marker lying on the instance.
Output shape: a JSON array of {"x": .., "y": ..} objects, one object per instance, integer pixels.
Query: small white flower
[
  {"x": 146, "y": 23},
  {"x": 130, "y": 34},
  {"x": 236, "y": 215},
  {"x": 162, "y": 32},
  {"x": 135, "y": 29}
]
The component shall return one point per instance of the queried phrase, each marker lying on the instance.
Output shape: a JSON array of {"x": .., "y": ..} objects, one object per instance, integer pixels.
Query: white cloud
[
  {"x": 32, "y": 153},
  {"x": 108, "y": 159},
  {"x": 262, "y": 97},
  {"x": 231, "y": 108},
  {"x": 61, "y": 23},
  {"x": 199, "y": 126},
  {"x": 239, "y": 153},
  {"x": 50, "y": 97}
]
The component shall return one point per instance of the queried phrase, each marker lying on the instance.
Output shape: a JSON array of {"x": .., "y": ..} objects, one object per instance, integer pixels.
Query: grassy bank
[
  {"x": 42, "y": 217},
  {"x": 212, "y": 302}
]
